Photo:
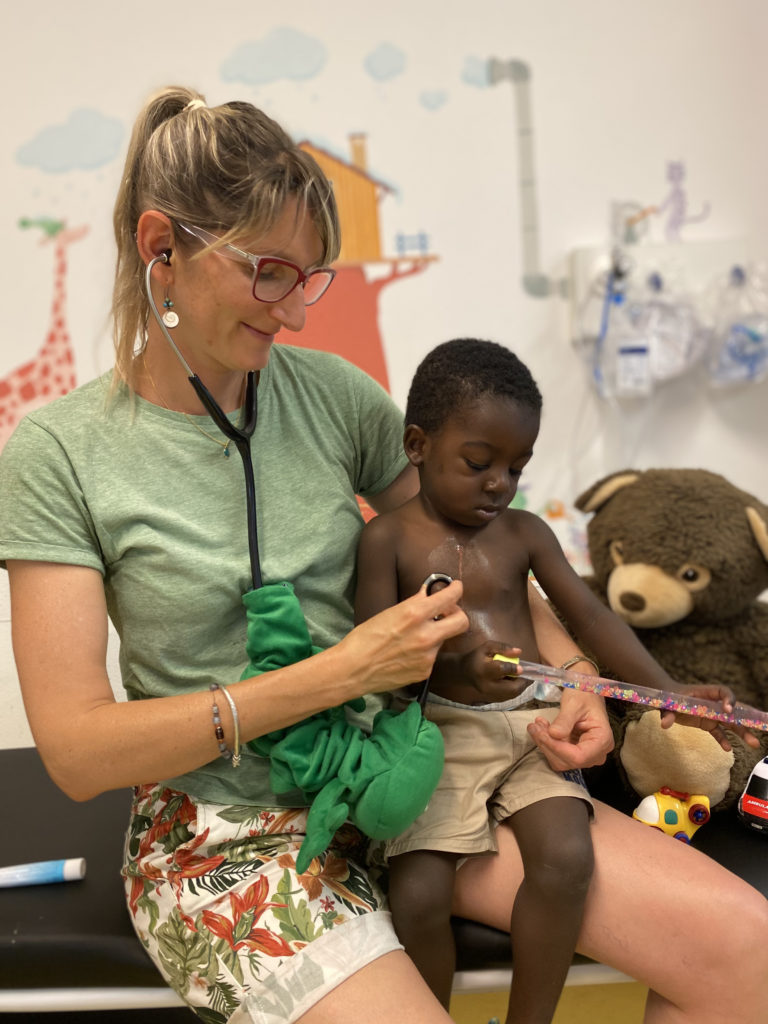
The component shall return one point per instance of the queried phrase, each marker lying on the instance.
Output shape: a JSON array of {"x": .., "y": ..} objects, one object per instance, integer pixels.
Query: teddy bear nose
[{"x": 631, "y": 601}]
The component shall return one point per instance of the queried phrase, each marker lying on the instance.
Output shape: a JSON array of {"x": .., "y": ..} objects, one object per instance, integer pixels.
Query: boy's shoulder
[
  {"x": 384, "y": 523},
  {"x": 521, "y": 517},
  {"x": 390, "y": 525}
]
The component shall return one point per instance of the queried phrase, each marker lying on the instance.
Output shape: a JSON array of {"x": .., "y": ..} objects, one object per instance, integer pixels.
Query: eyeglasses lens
[
  {"x": 316, "y": 285},
  {"x": 276, "y": 280}
]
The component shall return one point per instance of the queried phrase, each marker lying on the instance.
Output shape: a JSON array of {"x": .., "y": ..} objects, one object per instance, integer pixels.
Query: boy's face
[{"x": 469, "y": 470}]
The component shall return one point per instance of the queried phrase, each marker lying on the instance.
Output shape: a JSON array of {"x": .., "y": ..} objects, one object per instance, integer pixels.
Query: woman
[{"x": 134, "y": 510}]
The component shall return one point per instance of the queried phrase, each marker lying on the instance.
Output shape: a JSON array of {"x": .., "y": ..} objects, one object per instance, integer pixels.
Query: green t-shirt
[{"x": 139, "y": 494}]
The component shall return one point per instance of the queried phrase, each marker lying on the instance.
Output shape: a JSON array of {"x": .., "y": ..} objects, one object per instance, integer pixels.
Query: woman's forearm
[
  {"x": 91, "y": 743},
  {"x": 107, "y": 744}
]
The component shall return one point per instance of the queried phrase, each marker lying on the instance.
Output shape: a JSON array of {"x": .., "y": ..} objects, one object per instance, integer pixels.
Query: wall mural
[
  {"x": 90, "y": 140},
  {"x": 354, "y": 298},
  {"x": 51, "y": 371}
]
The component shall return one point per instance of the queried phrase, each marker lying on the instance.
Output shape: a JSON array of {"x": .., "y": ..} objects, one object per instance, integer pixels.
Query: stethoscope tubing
[{"x": 240, "y": 436}]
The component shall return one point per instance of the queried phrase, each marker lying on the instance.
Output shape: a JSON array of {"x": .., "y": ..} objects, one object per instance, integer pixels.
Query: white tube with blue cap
[{"x": 43, "y": 872}]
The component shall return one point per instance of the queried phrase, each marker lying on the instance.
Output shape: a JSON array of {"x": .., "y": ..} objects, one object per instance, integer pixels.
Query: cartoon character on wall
[
  {"x": 675, "y": 204},
  {"x": 51, "y": 371}
]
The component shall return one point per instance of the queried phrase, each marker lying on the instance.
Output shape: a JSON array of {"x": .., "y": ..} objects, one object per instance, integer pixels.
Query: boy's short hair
[{"x": 458, "y": 373}]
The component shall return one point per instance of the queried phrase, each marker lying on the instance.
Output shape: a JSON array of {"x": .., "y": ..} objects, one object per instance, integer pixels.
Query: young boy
[{"x": 472, "y": 419}]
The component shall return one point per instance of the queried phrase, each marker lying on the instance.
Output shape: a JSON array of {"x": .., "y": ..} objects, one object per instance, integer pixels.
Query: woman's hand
[
  {"x": 710, "y": 691},
  {"x": 399, "y": 645},
  {"x": 91, "y": 742},
  {"x": 579, "y": 737}
]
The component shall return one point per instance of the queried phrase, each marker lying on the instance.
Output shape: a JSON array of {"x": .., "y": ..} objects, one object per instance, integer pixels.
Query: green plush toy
[{"x": 381, "y": 782}]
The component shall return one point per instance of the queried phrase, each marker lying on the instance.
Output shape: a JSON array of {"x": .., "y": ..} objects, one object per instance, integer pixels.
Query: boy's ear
[{"x": 414, "y": 440}]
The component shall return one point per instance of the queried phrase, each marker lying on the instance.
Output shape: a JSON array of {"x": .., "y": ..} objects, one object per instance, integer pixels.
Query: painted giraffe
[{"x": 51, "y": 371}]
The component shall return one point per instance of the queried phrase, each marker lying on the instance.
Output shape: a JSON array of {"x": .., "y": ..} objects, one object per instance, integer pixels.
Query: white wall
[{"x": 617, "y": 89}]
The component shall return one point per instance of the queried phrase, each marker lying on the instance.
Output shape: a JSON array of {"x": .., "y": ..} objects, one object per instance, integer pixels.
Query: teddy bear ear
[
  {"x": 597, "y": 495},
  {"x": 759, "y": 529}
]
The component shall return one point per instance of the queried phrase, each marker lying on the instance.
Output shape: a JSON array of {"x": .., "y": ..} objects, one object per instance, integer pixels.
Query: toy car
[
  {"x": 753, "y": 802},
  {"x": 678, "y": 814}
]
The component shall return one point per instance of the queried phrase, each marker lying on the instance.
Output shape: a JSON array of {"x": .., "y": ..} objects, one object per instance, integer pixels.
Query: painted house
[{"x": 358, "y": 196}]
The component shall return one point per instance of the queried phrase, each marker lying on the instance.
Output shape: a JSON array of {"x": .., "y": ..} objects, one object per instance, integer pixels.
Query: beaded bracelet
[
  {"x": 576, "y": 659},
  {"x": 218, "y": 729},
  {"x": 235, "y": 726}
]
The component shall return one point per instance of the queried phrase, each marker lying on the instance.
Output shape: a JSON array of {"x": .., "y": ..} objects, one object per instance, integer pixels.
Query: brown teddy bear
[{"x": 682, "y": 556}]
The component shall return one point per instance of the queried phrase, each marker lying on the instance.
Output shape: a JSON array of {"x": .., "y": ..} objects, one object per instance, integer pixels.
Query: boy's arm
[
  {"x": 601, "y": 630},
  {"x": 554, "y": 642},
  {"x": 611, "y": 639},
  {"x": 376, "y": 569}
]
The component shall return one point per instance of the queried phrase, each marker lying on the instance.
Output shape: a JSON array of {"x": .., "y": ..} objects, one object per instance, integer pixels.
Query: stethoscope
[
  {"x": 429, "y": 585},
  {"x": 240, "y": 436}
]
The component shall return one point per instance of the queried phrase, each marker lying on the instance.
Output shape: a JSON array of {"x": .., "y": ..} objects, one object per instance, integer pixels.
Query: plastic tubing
[{"x": 662, "y": 700}]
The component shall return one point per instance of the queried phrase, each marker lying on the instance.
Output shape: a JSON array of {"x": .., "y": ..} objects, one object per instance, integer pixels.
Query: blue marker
[{"x": 43, "y": 872}]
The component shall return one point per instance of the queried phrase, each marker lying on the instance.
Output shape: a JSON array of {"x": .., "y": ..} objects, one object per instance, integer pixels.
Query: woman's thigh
[
  {"x": 386, "y": 990},
  {"x": 216, "y": 901},
  {"x": 659, "y": 911}
]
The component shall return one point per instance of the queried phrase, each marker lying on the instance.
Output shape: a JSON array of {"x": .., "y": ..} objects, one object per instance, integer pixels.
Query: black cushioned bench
[{"x": 70, "y": 946}]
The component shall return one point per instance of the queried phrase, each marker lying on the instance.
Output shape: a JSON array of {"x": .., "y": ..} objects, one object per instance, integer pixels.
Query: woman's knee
[{"x": 746, "y": 946}]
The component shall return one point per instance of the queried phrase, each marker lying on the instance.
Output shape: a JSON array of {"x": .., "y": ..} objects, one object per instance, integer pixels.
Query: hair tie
[{"x": 194, "y": 104}]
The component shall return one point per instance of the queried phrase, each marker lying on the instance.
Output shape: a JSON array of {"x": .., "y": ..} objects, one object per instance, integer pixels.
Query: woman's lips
[{"x": 259, "y": 334}]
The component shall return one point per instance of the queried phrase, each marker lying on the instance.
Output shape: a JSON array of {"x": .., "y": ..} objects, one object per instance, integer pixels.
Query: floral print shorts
[{"x": 216, "y": 902}]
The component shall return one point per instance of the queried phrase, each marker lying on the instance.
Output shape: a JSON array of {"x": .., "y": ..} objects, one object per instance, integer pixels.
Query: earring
[{"x": 170, "y": 317}]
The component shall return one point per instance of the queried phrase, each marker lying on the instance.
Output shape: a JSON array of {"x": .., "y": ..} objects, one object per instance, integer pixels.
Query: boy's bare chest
[{"x": 491, "y": 563}]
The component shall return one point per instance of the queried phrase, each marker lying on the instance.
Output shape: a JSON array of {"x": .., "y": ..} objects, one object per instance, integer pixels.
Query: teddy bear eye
[
  {"x": 616, "y": 549},
  {"x": 695, "y": 577}
]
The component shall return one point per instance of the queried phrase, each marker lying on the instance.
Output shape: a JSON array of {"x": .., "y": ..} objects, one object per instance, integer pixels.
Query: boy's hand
[
  {"x": 710, "y": 691},
  {"x": 493, "y": 670}
]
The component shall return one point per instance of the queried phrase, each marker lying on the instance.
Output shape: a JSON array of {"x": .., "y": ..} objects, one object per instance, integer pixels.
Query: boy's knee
[
  {"x": 421, "y": 890},
  {"x": 423, "y": 903},
  {"x": 565, "y": 870}
]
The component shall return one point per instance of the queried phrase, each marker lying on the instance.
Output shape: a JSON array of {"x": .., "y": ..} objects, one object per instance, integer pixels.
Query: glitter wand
[{"x": 663, "y": 700}]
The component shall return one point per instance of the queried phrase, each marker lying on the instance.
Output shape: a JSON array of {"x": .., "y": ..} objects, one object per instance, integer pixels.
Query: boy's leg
[
  {"x": 420, "y": 893},
  {"x": 652, "y": 910},
  {"x": 556, "y": 847}
]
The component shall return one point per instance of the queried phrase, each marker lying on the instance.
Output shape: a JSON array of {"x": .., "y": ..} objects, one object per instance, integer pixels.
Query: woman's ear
[
  {"x": 154, "y": 236},
  {"x": 414, "y": 440}
]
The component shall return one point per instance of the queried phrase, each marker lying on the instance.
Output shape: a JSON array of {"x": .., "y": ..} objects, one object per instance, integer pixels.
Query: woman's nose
[{"x": 291, "y": 310}]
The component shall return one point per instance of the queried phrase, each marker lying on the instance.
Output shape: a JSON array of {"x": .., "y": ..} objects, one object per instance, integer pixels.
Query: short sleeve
[{"x": 43, "y": 513}]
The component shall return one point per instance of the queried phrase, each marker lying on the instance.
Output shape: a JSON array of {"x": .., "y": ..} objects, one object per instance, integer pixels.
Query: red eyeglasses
[{"x": 273, "y": 277}]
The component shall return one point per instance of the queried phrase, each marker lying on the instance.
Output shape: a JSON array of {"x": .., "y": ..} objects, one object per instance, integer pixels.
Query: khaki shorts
[{"x": 492, "y": 769}]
